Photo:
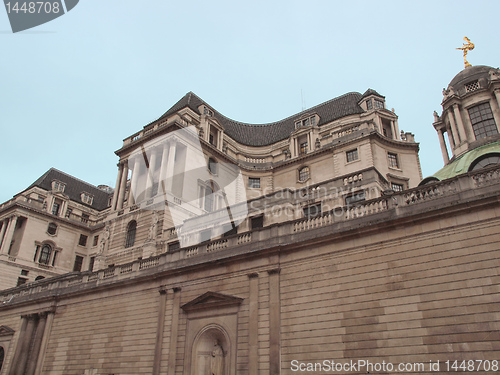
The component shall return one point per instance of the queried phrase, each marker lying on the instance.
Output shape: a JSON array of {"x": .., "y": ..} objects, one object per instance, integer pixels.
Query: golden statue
[{"x": 466, "y": 48}]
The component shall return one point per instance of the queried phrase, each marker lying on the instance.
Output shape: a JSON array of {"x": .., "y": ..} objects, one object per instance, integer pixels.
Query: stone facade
[{"x": 347, "y": 260}]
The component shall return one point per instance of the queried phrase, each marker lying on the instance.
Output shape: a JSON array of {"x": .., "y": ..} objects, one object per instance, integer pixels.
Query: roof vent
[{"x": 472, "y": 86}]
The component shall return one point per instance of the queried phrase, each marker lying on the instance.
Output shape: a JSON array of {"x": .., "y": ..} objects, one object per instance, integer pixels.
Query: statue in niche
[
  {"x": 217, "y": 360},
  {"x": 104, "y": 240},
  {"x": 153, "y": 227}
]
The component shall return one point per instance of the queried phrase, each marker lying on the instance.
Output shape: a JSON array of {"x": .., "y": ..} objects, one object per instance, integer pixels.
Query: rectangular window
[
  {"x": 87, "y": 198},
  {"x": 91, "y": 263},
  {"x": 212, "y": 138},
  {"x": 254, "y": 182},
  {"x": 36, "y": 253},
  {"x": 397, "y": 187},
  {"x": 68, "y": 212},
  {"x": 21, "y": 281},
  {"x": 369, "y": 104},
  {"x": 55, "y": 208},
  {"x": 352, "y": 155},
  {"x": 83, "y": 240},
  {"x": 303, "y": 148},
  {"x": 257, "y": 222},
  {"x": 85, "y": 218},
  {"x": 379, "y": 104},
  {"x": 356, "y": 197},
  {"x": 54, "y": 258},
  {"x": 482, "y": 121},
  {"x": 393, "y": 160},
  {"x": 174, "y": 246},
  {"x": 96, "y": 241},
  {"x": 78, "y": 263},
  {"x": 312, "y": 211}
]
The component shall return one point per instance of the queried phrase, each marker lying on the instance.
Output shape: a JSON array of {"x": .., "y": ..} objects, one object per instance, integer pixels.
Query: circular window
[
  {"x": 52, "y": 229},
  {"x": 212, "y": 166}
]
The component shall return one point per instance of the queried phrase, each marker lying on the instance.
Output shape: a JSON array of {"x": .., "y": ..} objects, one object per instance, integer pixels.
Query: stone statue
[
  {"x": 469, "y": 46},
  {"x": 153, "y": 227},
  {"x": 217, "y": 360},
  {"x": 104, "y": 240}
]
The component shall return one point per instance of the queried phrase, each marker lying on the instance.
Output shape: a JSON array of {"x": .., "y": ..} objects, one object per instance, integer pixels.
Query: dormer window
[
  {"x": 58, "y": 186},
  {"x": 87, "y": 198},
  {"x": 309, "y": 121},
  {"x": 369, "y": 104},
  {"x": 208, "y": 112},
  {"x": 379, "y": 103}
]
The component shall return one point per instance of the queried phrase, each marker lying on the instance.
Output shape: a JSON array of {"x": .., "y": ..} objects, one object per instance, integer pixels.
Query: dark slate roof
[
  {"x": 371, "y": 92},
  {"x": 266, "y": 134},
  {"x": 74, "y": 187},
  {"x": 480, "y": 73}
]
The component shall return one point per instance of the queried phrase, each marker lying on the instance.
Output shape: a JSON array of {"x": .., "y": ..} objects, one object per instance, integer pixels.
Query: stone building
[{"x": 233, "y": 248}]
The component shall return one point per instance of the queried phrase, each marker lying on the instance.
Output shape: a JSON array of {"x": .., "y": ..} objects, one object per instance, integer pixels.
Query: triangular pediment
[
  {"x": 6, "y": 331},
  {"x": 211, "y": 300}
]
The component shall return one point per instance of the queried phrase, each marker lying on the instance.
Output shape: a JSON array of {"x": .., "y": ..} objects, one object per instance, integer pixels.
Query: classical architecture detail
[
  {"x": 229, "y": 248},
  {"x": 468, "y": 46}
]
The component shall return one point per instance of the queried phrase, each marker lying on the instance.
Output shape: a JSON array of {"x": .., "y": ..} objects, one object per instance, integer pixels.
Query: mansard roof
[
  {"x": 266, "y": 134},
  {"x": 74, "y": 188}
]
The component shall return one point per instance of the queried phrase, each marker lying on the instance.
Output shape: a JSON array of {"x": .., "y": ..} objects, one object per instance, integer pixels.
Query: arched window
[
  {"x": 2, "y": 356},
  {"x": 209, "y": 199},
  {"x": 130, "y": 239},
  {"x": 303, "y": 174},
  {"x": 39, "y": 278},
  {"x": 52, "y": 229},
  {"x": 45, "y": 254},
  {"x": 485, "y": 161}
]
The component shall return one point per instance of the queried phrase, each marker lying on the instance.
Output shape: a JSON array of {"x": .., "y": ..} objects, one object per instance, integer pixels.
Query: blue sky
[{"x": 74, "y": 88}]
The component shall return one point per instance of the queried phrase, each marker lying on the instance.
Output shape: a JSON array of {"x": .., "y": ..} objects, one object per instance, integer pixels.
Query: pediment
[
  {"x": 211, "y": 300},
  {"x": 6, "y": 331}
]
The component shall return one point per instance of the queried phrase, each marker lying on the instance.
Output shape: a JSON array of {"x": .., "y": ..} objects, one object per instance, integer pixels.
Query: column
[
  {"x": 133, "y": 181},
  {"x": 24, "y": 347},
  {"x": 8, "y": 235},
  {"x": 45, "y": 341},
  {"x": 458, "y": 117},
  {"x": 452, "y": 142},
  {"x": 5, "y": 223},
  {"x": 274, "y": 322},
  {"x": 37, "y": 343},
  {"x": 117, "y": 187},
  {"x": 159, "y": 331},
  {"x": 123, "y": 186},
  {"x": 396, "y": 127},
  {"x": 496, "y": 110},
  {"x": 50, "y": 201},
  {"x": 163, "y": 168},
  {"x": 444, "y": 151},
  {"x": 454, "y": 130},
  {"x": 170, "y": 165},
  {"x": 150, "y": 174},
  {"x": 17, "y": 353},
  {"x": 393, "y": 130},
  {"x": 253, "y": 325},
  {"x": 173, "y": 331}
]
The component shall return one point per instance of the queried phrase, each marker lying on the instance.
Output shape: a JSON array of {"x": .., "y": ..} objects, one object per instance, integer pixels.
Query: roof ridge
[{"x": 284, "y": 119}]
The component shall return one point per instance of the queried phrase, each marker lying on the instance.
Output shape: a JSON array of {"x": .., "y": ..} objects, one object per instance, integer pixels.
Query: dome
[{"x": 479, "y": 73}]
